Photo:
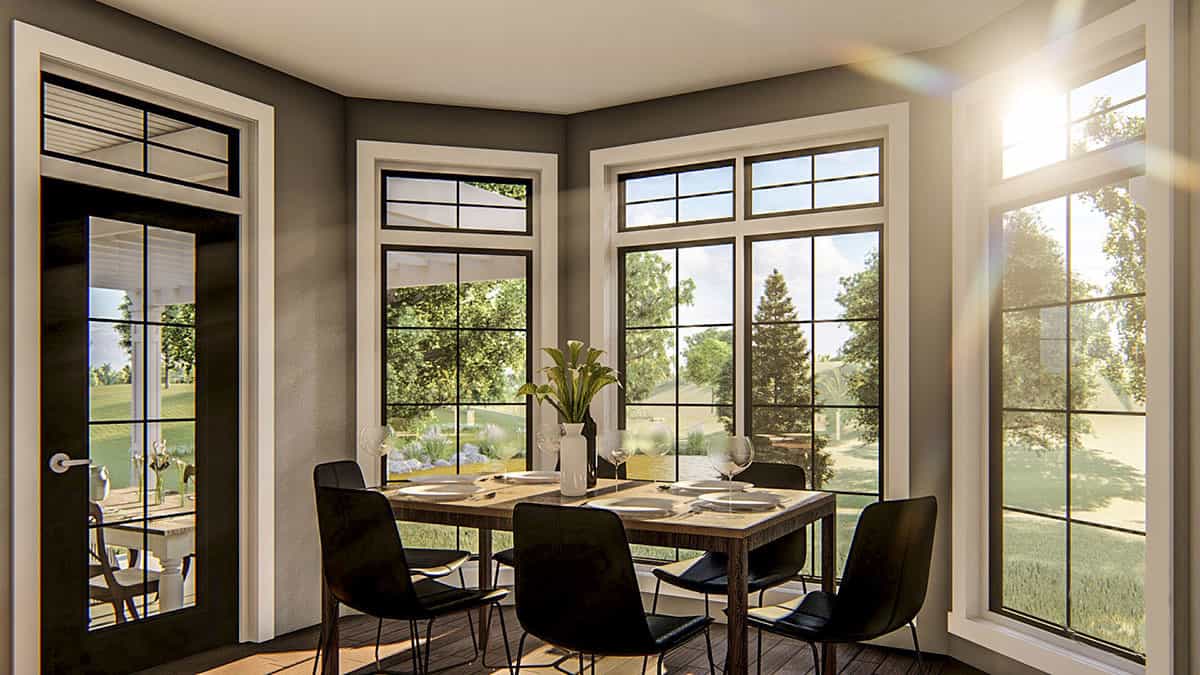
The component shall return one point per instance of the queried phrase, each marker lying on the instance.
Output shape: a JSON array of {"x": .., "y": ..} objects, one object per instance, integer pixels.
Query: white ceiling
[{"x": 559, "y": 56}]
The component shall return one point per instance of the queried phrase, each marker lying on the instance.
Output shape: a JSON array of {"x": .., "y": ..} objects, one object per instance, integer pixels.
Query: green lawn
[{"x": 109, "y": 444}]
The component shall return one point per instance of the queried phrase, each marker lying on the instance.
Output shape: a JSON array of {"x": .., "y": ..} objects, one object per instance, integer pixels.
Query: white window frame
[
  {"x": 889, "y": 122},
  {"x": 1142, "y": 24},
  {"x": 372, "y": 157},
  {"x": 35, "y": 50}
]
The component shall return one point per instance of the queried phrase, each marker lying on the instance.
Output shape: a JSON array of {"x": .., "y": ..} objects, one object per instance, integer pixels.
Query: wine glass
[
  {"x": 376, "y": 440},
  {"x": 731, "y": 457},
  {"x": 656, "y": 442},
  {"x": 549, "y": 442},
  {"x": 618, "y": 446}
]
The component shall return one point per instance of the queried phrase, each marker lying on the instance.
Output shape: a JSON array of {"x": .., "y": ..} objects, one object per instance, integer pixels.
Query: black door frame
[{"x": 67, "y": 645}]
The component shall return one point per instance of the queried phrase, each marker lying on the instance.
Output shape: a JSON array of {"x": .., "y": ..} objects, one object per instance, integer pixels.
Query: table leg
[
  {"x": 737, "y": 654},
  {"x": 329, "y": 630},
  {"x": 485, "y": 581},
  {"x": 170, "y": 585},
  {"x": 828, "y": 571}
]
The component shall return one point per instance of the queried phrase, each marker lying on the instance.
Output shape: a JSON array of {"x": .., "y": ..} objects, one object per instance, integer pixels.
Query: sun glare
[{"x": 1034, "y": 129}]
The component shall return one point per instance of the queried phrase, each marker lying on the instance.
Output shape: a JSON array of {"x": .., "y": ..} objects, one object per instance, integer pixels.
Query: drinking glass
[
  {"x": 549, "y": 442},
  {"x": 655, "y": 443},
  {"x": 732, "y": 457},
  {"x": 619, "y": 446}
]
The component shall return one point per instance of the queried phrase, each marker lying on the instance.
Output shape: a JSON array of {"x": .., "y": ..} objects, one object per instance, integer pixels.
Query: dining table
[
  {"x": 733, "y": 533},
  {"x": 166, "y": 528}
]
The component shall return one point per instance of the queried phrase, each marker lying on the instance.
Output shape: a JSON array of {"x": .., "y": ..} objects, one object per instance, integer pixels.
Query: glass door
[{"x": 140, "y": 429}]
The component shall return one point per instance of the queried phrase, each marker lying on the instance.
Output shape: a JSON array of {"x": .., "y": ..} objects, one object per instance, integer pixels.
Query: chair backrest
[
  {"x": 103, "y": 563},
  {"x": 787, "y": 554},
  {"x": 361, "y": 554},
  {"x": 575, "y": 584},
  {"x": 887, "y": 571},
  {"x": 343, "y": 474}
]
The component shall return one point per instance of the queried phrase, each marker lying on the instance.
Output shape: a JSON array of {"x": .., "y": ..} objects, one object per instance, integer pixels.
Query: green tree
[
  {"x": 709, "y": 355},
  {"x": 177, "y": 339},
  {"x": 781, "y": 378},
  {"x": 650, "y": 300},
  {"x": 859, "y": 297},
  {"x": 511, "y": 190}
]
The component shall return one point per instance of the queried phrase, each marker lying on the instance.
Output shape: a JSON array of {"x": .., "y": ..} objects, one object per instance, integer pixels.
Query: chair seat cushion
[
  {"x": 706, "y": 574},
  {"x": 806, "y": 618},
  {"x": 507, "y": 557},
  {"x": 438, "y": 599},
  {"x": 671, "y": 631},
  {"x": 434, "y": 562}
]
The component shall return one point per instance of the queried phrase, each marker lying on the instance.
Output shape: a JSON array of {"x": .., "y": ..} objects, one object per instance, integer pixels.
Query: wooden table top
[
  {"x": 688, "y": 527},
  {"x": 123, "y": 509}
]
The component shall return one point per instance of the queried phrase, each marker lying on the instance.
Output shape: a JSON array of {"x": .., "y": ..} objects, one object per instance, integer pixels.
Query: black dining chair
[
  {"x": 576, "y": 588},
  {"x": 427, "y": 562},
  {"x": 770, "y": 565},
  {"x": 883, "y": 584},
  {"x": 365, "y": 568}
]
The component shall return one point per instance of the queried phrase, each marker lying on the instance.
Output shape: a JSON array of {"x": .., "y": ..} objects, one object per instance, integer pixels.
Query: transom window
[
  {"x": 87, "y": 124},
  {"x": 1046, "y": 124},
  {"x": 845, "y": 176},
  {"x": 437, "y": 201},
  {"x": 693, "y": 194}
]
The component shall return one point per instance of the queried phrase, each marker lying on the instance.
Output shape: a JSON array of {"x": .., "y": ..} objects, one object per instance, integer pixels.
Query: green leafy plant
[{"x": 572, "y": 382}]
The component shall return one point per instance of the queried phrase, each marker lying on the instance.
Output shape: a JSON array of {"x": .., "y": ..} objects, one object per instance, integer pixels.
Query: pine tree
[{"x": 781, "y": 375}]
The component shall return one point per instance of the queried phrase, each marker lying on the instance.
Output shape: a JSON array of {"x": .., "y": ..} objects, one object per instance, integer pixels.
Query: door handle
[{"x": 60, "y": 462}]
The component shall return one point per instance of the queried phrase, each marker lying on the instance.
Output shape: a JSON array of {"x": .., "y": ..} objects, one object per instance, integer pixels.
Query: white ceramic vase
[{"x": 573, "y": 461}]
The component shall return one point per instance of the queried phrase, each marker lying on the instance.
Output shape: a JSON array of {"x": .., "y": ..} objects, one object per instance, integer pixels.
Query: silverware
[{"x": 486, "y": 495}]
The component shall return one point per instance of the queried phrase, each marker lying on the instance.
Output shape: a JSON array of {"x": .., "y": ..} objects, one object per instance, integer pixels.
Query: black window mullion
[{"x": 1069, "y": 403}]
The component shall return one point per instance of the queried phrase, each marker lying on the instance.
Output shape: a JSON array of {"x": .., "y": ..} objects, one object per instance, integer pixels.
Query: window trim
[
  {"x": 458, "y": 251},
  {"x": 676, "y": 170},
  {"x": 458, "y": 204},
  {"x": 374, "y": 157},
  {"x": 1143, "y": 24},
  {"x": 889, "y": 122},
  {"x": 748, "y": 189}
]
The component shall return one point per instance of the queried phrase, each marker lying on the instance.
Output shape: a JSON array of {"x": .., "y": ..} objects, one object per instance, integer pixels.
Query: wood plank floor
[{"x": 293, "y": 654}]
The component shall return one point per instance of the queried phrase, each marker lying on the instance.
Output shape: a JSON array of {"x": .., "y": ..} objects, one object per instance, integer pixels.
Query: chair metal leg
[
  {"x": 414, "y": 638},
  {"x": 661, "y": 658},
  {"x": 816, "y": 657},
  {"x": 712, "y": 665},
  {"x": 492, "y": 608},
  {"x": 504, "y": 636},
  {"x": 378, "y": 637},
  {"x": 593, "y": 664},
  {"x": 760, "y": 604},
  {"x": 520, "y": 652},
  {"x": 581, "y": 670},
  {"x": 912, "y": 626},
  {"x": 654, "y": 605},
  {"x": 428, "y": 645}
]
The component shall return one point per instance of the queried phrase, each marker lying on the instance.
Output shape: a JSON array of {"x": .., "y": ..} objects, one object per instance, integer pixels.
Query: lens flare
[{"x": 900, "y": 69}]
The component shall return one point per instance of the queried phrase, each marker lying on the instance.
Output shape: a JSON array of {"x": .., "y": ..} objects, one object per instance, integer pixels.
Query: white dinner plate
[
  {"x": 441, "y": 492},
  {"x": 445, "y": 479},
  {"x": 697, "y": 487},
  {"x": 530, "y": 477},
  {"x": 635, "y": 507},
  {"x": 740, "y": 501}
]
